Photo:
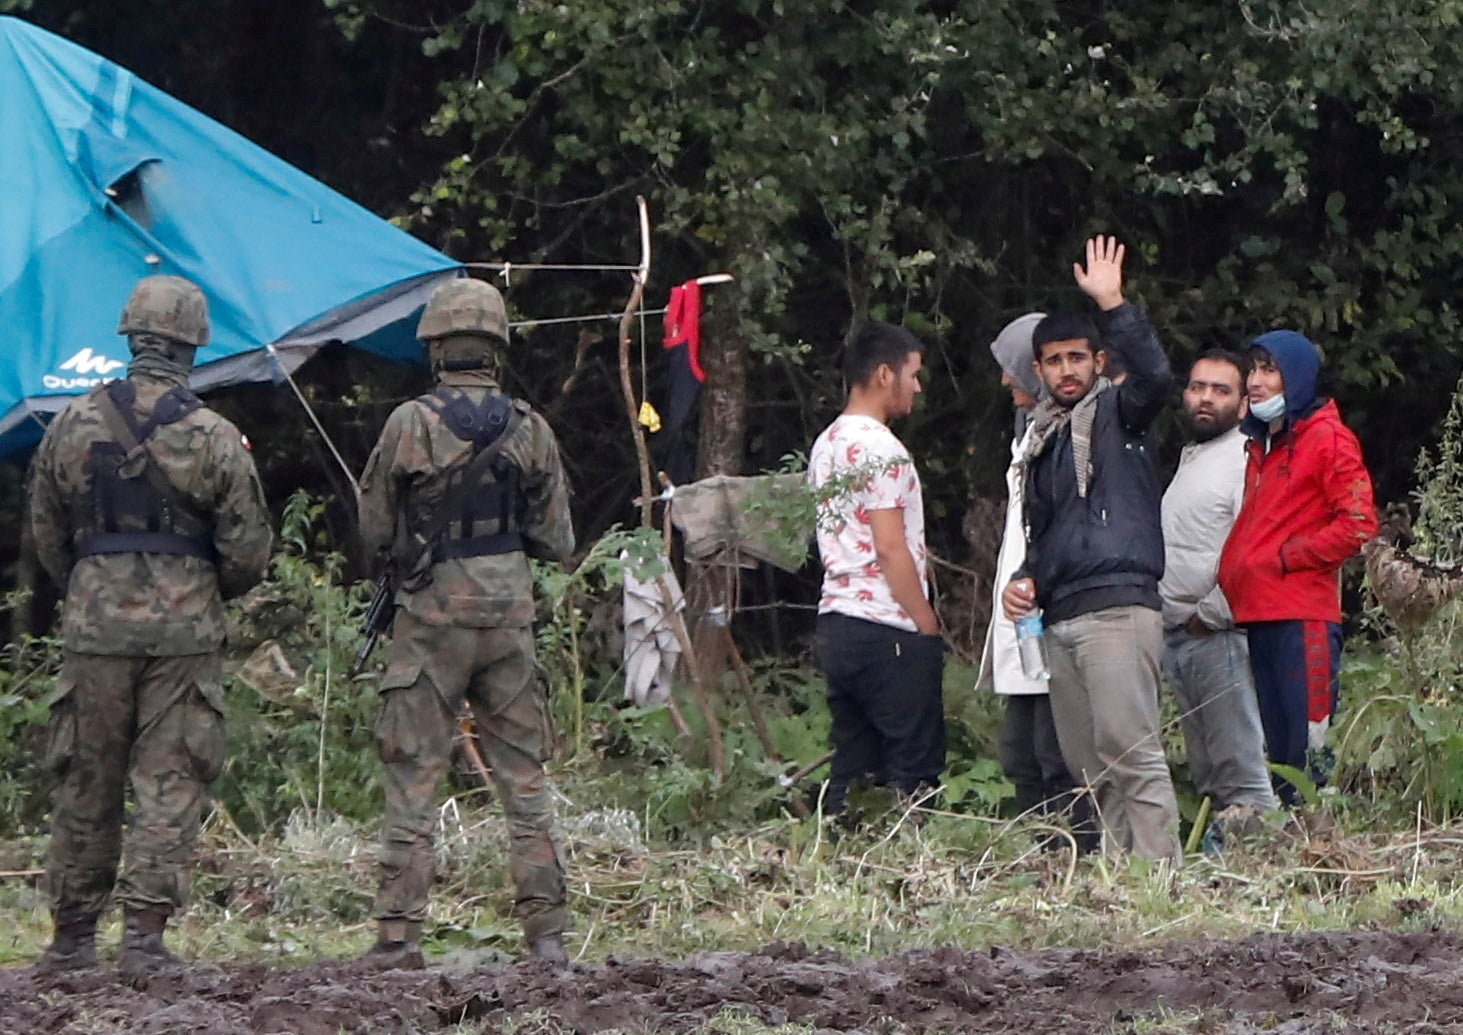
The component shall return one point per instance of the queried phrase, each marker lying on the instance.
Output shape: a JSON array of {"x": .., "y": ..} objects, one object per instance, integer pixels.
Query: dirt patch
[{"x": 1352, "y": 981}]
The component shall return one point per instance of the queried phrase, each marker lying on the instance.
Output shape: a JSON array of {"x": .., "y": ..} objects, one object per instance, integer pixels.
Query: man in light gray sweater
[{"x": 1205, "y": 658}]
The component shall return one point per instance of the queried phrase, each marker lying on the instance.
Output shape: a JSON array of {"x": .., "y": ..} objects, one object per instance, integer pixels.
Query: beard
[
  {"x": 1057, "y": 393},
  {"x": 1209, "y": 426}
]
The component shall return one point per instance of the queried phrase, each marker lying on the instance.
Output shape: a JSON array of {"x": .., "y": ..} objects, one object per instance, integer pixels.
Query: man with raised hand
[
  {"x": 1206, "y": 659},
  {"x": 1095, "y": 554},
  {"x": 1031, "y": 755},
  {"x": 1308, "y": 507},
  {"x": 878, "y": 640}
]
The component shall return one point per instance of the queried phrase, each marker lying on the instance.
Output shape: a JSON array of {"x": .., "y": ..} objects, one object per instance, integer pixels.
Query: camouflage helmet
[
  {"x": 169, "y": 307},
  {"x": 464, "y": 306}
]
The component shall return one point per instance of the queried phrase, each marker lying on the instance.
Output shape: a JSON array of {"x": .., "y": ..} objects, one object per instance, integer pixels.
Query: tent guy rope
[{"x": 319, "y": 428}]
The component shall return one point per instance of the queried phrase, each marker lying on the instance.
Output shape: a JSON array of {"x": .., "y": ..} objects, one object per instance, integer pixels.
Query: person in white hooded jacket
[{"x": 1030, "y": 754}]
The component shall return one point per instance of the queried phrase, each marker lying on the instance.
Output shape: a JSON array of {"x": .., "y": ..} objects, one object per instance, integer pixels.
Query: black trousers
[
  {"x": 1032, "y": 760},
  {"x": 884, "y": 693},
  {"x": 1031, "y": 756}
]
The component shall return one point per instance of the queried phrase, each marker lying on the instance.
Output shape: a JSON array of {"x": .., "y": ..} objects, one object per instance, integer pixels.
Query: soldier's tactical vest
[
  {"x": 140, "y": 512},
  {"x": 486, "y": 516}
]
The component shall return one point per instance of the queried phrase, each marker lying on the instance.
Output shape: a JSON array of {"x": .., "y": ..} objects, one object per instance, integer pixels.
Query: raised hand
[{"x": 1102, "y": 279}]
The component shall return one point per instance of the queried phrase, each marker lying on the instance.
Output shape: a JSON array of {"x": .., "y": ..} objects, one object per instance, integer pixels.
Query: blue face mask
[{"x": 1270, "y": 409}]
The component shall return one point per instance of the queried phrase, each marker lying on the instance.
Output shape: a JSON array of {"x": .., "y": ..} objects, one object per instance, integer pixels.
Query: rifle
[
  {"x": 414, "y": 552},
  {"x": 379, "y": 615}
]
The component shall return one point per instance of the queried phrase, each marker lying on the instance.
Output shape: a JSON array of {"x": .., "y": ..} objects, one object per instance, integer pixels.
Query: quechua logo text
[{"x": 86, "y": 369}]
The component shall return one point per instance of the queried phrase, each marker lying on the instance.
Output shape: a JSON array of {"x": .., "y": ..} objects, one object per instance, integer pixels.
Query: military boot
[
  {"x": 74, "y": 946},
  {"x": 142, "y": 943},
  {"x": 398, "y": 947},
  {"x": 550, "y": 949}
]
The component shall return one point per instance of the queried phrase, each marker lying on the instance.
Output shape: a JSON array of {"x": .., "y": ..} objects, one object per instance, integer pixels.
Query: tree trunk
[{"x": 724, "y": 357}]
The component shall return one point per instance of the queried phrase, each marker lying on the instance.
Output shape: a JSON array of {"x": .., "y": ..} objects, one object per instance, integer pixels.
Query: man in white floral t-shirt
[{"x": 878, "y": 640}]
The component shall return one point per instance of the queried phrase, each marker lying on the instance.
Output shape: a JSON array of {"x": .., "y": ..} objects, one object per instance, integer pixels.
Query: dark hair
[
  {"x": 874, "y": 345},
  {"x": 1233, "y": 358},
  {"x": 1256, "y": 354},
  {"x": 1064, "y": 327}
]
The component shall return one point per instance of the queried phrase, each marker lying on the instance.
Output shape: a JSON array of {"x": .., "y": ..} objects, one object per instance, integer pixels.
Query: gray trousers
[
  {"x": 1104, "y": 691},
  {"x": 1215, "y": 692}
]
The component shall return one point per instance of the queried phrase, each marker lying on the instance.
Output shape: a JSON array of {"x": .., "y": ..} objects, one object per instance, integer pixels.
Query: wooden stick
[
  {"x": 677, "y": 720},
  {"x": 627, "y": 387},
  {"x": 467, "y": 727},
  {"x": 642, "y": 454},
  {"x": 744, "y": 679},
  {"x": 703, "y": 699},
  {"x": 805, "y": 772}
]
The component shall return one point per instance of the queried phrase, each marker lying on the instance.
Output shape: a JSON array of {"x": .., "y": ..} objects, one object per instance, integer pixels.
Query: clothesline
[
  {"x": 506, "y": 268},
  {"x": 580, "y": 319},
  {"x": 640, "y": 275}
]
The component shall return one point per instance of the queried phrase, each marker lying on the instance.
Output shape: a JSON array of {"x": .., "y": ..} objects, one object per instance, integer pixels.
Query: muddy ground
[{"x": 1352, "y": 981}]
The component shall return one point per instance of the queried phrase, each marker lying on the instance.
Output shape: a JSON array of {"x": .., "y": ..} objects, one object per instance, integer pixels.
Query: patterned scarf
[{"x": 1047, "y": 422}]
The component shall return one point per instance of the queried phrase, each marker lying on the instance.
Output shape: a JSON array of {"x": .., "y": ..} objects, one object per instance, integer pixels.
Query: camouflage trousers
[
  {"x": 433, "y": 670},
  {"x": 157, "y": 721}
]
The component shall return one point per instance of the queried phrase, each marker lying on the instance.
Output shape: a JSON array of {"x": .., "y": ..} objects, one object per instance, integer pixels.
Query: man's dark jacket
[{"x": 1106, "y": 550}]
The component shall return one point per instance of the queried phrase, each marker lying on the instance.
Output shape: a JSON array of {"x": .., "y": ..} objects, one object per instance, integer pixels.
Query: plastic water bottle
[{"x": 1032, "y": 646}]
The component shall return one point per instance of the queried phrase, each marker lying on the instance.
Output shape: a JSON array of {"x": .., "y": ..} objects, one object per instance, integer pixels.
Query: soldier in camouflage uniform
[
  {"x": 460, "y": 536},
  {"x": 146, "y": 507}
]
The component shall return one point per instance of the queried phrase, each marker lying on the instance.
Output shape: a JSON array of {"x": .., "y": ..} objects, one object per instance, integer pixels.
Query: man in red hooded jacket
[{"x": 1307, "y": 508}]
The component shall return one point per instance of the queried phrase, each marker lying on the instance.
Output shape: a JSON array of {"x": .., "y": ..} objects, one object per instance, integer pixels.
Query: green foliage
[
  {"x": 301, "y": 739},
  {"x": 564, "y": 597},
  {"x": 1401, "y": 732},
  {"x": 1436, "y": 532},
  {"x": 939, "y": 165},
  {"x": 664, "y": 778},
  {"x": 1400, "y": 741},
  {"x": 1301, "y": 781},
  {"x": 785, "y": 509},
  {"x": 976, "y": 785},
  {"x": 27, "y": 678}
]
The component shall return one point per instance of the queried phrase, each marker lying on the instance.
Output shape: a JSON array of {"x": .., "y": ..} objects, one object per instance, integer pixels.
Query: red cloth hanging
[{"x": 683, "y": 324}]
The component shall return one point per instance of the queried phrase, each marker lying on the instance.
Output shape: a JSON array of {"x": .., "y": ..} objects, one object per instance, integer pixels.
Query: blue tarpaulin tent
[{"x": 105, "y": 179}]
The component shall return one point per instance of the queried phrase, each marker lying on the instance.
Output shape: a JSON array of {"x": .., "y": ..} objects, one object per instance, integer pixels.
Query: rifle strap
[
  {"x": 123, "y": 432},
  {"x": 476, "y": 468}
]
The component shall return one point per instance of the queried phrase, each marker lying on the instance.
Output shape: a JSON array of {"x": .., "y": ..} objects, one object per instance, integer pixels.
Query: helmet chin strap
[{"x": 459, "y": 352}]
